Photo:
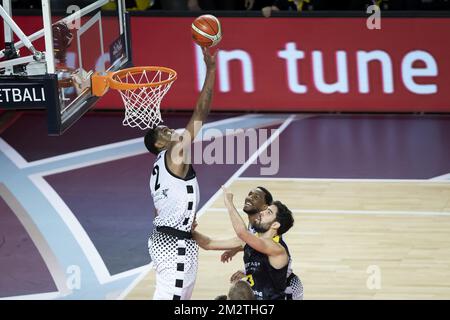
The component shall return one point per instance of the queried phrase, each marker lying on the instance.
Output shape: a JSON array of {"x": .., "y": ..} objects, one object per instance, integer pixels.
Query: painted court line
[
  {"x": 83, "y": 152},
  {"x": 120, "y": 150},
  {"x": 128, "y": 273},
  {"x": 359, "y": 212},
  {"x": 354, "y": 212},
  {"x": 53, "y": 264},
  {"x": 346, "y": 180},
  {"x": 443, "y": 178},
  {"x": 77, "y": 230},
  {"x": 250, "y": 160},
  {"x": 145, "y": 270},
  {"x": 38, "y": 296},
  {"x": 236, "y": 175},
  {"x": 12, "y": 154},
  {"x": 140, "y": 148},
  {"x": 108, "y": 147}
]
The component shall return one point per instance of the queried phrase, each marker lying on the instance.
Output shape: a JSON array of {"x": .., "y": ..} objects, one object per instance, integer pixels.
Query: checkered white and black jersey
[{"x": 175, "y": 199}]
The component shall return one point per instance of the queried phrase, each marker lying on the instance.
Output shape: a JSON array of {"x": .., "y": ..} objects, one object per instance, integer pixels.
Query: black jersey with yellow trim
[{"x": 267, "y": 282}]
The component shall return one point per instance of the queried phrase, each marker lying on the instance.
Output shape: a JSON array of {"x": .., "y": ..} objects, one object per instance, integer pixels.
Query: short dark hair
[
  {"x": 284, "y": 217},
  {"x": 149, "y": 140},
  {"x": 267, "y": 195}
]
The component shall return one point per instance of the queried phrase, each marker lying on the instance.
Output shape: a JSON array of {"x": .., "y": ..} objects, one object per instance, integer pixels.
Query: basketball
[{"x": 206, "y": 30}]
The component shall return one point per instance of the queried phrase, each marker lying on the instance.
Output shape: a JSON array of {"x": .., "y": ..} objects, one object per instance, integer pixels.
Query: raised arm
[
  {"x": 201, "y": 110},
  {"x": 265, "y": 246},
  {"x": 177, "y": 162},
  {"x": 203, "y": 105},
  {"x": 206, "y": 243}
]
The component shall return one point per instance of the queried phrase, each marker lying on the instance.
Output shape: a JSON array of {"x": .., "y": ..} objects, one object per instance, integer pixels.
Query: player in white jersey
[{"x": 175, "y": 192}]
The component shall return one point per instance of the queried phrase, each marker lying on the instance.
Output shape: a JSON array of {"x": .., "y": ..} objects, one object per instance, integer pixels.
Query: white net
[{"x": 142, "y": 104}]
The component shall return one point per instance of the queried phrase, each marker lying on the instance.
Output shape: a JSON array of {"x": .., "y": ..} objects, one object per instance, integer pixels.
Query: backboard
[{"x": 91, "y": 37}]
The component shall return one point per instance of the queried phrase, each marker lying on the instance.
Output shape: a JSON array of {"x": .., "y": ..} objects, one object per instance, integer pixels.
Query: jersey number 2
[{"x": 156, "y": 172}]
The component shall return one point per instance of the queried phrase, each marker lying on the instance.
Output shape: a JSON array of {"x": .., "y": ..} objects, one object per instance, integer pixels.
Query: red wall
[{"x": 167, "y": 42}]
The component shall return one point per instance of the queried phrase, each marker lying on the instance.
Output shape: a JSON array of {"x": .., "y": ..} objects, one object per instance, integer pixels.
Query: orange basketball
[{"x": 206, "y": 30}]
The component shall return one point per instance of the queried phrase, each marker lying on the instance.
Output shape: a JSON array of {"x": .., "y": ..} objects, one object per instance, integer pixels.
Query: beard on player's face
[
  {"x": 264, "y": 220},
  {"x": 261, "y": 227},
  {"x": 258, "y": 225}
]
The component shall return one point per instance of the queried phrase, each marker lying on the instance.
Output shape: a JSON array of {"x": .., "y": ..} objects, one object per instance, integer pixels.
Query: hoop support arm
[
  {"x": 37, "y": 54},
  {"x": 68, "y": 19},
  {"x": 16, "y": 61}
]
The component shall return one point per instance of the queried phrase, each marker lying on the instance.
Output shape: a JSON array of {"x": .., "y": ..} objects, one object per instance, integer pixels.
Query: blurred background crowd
[{"x": 273, "y": 5}]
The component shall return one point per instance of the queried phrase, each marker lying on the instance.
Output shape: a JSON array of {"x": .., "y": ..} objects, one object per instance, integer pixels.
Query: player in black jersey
[
  {"x": 266, "y": 258},
  {"x": 257, "y": 200}
]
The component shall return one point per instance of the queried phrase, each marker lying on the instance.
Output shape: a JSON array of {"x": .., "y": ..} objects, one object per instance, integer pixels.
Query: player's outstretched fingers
[
  {"x": 226, "y": 257},
  {"x": 228, "y": 196},
  {"x": 238, "y": 275}
]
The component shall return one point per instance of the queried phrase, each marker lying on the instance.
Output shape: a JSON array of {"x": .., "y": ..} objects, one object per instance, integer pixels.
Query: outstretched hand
[
  {"x": 227, "y": 256},
  {"x": 227, "y": 196},
  {"x": 210, "y": 59}
]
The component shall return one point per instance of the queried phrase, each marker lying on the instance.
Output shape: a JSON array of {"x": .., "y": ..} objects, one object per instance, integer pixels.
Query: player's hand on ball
[{"x": 228, "y": 196}]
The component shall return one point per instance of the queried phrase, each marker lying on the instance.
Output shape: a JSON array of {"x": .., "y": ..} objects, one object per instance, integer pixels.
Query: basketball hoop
[{"x": 141, "y": 88}]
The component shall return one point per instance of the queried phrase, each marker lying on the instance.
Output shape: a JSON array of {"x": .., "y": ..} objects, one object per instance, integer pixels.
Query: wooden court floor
[{"x": 352, "y": 239}]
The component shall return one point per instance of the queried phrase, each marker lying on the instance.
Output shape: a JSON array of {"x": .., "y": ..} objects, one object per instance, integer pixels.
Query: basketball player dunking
[{"x": 175, "y": 192}]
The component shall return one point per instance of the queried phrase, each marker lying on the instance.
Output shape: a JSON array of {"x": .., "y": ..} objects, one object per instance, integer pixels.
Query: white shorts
[
  {"x": 294, "y": 288},
  {"x": 176, "y": 262}
]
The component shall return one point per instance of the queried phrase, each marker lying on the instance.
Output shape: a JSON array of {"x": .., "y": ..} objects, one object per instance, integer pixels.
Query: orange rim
[{"x": 114, "y": 84}]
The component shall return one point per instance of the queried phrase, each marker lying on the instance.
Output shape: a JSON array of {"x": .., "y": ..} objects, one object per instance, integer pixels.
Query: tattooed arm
[
  {"x": 201, "y": 110},
  {"x": 176, "y": 161}
]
